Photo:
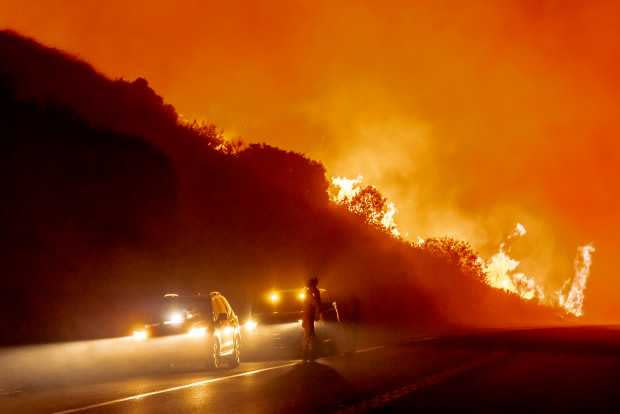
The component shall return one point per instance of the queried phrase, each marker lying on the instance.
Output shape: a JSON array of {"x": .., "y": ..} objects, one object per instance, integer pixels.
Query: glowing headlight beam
[
  {"x": 175, "y": 318},
  {"x": 197, "y": 331},
  {"x": 140, "y": 335},
  {"x": 250, "y": 325},
  {"x": 274, "y": 297}
]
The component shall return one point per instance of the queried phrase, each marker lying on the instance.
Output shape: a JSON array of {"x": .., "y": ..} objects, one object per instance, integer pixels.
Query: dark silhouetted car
[{"x": 273, "y": 327}]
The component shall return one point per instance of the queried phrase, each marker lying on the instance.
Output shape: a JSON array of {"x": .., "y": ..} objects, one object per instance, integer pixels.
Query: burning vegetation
[
  {"x": 500, "y": 271},
  {"x": 172, "y": 204},
  {"x": 365, "y": 202}
]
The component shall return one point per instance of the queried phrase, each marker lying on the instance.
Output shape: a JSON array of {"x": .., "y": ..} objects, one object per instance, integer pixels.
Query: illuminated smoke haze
[{"x": 468, "y": 116}]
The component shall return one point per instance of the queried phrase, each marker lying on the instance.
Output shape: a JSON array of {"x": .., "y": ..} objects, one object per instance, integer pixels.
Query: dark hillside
[
  {"x": 108, "y": 199},
  {"x": 72, "y": 195}
]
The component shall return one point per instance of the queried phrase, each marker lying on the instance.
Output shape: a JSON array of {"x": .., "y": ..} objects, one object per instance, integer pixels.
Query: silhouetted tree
[
  {"x": 457, "y": 252},
  {"x": 368, "y": 204}
]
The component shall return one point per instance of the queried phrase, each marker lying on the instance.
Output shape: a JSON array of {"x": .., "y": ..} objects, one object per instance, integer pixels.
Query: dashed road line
[{"x": 369, "y": 349}]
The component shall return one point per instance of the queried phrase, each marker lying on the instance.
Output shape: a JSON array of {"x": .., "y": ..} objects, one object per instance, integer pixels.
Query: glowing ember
[
  {"x": 572, "y": 301},
  {"x": 520, "y": 230}
]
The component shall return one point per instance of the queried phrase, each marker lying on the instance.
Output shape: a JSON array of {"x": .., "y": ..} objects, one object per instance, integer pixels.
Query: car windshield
[{"x": 160, "y": 310}]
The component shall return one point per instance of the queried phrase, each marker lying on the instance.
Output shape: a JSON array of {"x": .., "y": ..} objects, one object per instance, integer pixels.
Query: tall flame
[
  {"x": 388, "y": 220},
  {"x": 500, "y": 271},
  {"x": 570, "y": 297}
]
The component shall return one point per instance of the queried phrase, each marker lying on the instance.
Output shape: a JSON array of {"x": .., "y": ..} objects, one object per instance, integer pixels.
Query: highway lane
[
  {"x": 547, "y": 369},
  {"x": 66, "y": 396},
  {"x": 252, "y": 387}
]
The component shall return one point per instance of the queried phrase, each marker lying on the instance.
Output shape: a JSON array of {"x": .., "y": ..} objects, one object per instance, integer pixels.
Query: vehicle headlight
[
  {"x": 250, "y": 325},
  {"x": 274, "y": 297},
  {"x": 140, "y": 334},
  {"x": 197, "y": 331},
  {"x": 175, "y": 318}
]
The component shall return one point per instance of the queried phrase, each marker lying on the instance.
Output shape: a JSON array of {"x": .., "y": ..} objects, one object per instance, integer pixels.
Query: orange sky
[{"x": 469, "y": 116}]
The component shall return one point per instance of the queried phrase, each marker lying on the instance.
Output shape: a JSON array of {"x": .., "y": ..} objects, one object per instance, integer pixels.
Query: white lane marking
[
  {"x": 435, "y": 379},
  {"x": 415, "y": 340},
  {"x": 172, "y": 389},
  {"x": 370, "y": 348}
]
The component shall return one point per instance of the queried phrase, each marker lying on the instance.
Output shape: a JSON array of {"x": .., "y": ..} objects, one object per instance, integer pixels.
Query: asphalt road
[{"x": 541, "y": 370}]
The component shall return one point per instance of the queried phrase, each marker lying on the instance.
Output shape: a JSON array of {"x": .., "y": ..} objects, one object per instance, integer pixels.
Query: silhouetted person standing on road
[{"x": 312, "y": 310}]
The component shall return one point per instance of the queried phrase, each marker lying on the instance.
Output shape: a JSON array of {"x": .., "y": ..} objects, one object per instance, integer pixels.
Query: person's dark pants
[{"x": 309, "y": 336}]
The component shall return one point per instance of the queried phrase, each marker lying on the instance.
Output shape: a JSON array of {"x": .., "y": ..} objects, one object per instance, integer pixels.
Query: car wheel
[
  {"x": 235, "y": 357},
  {"x": 215, "y": 359}
]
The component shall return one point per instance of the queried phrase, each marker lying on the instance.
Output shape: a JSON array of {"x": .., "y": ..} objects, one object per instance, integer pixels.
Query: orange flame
[
  {"x": 388, "y": 220},
  {"x": 500, "y": 274},
  {"x": 344, "y": 189},
  {"x": 500, "y": 271},
  {"x": 572, "y": 301}
]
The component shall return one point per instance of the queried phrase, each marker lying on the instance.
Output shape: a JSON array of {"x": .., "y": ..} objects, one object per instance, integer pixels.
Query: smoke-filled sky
[{"x": 471, "y": 116}]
